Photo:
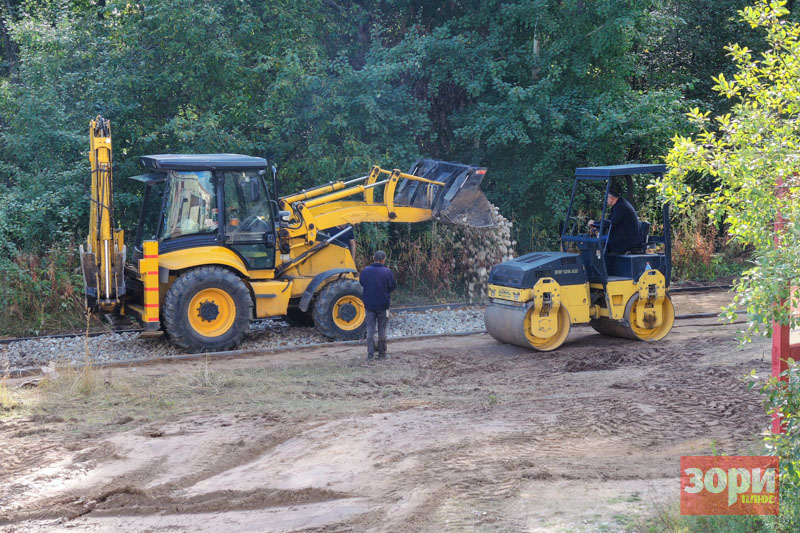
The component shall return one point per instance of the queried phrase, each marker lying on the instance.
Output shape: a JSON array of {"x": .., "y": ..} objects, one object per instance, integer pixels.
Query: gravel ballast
[{"x": 263, "y": 335}]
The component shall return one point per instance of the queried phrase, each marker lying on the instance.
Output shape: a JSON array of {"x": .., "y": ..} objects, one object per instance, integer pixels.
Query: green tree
[
  {"x": 531, "y": 89},
  {"x": 750, "y": 158}
]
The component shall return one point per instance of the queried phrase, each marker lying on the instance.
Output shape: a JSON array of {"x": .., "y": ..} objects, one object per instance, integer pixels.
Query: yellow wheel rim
[
  {"x": 657, "y": 333},
  {"x": 349, "y": 313},
  {"x": 211, "y": 312},
  {"x": 556, "y": 339}
]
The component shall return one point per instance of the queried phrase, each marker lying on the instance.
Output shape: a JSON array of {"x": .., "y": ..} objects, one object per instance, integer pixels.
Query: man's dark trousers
[{"x": 379, "y": 318}]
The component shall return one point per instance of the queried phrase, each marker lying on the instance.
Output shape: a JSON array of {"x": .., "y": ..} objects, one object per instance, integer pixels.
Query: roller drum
[
  {"x": 627, "y": 330},
  {"x": 506, "y": 323},
  {"x": 512, "y": 325},
  {"x": 612, "y": 328}
]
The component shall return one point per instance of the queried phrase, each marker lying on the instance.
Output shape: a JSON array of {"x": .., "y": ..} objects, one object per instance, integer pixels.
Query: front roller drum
[
  {"x": 627, "y": 328},
  {"x": 512, "y": 325}
]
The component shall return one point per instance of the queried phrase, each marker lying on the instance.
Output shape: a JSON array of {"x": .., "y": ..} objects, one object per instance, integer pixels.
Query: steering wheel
[
  {"x": 251, "y": 223},
  {"x": 575, "y": 225}
]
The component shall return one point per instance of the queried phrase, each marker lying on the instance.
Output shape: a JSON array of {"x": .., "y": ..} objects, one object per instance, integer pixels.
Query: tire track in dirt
[
  {"x": 134, "y": 492},
  {"x": 464, "y": 435}
]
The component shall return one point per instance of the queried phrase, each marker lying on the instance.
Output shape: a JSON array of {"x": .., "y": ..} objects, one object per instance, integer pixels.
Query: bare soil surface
[{"x": 448, "y": 434}]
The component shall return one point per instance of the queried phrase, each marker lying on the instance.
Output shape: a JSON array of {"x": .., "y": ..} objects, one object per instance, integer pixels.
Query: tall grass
[
  {"x": 702, "y": 252},
  {"x": 667, "y": 519},
  {"x": 7, "y": 402},
  {"x": 40, "y": 292},
  {"x": 423, "y": 258}
]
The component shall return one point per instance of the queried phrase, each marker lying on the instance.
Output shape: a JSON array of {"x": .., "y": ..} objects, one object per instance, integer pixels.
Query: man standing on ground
[{"x": 377, "y": 281}]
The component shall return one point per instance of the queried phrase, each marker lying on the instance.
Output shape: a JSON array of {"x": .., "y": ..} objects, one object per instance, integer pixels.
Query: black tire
[
  {"x": 298, "y": 319},
  {"x": 328, "y": 310},
  {"x": 235, "y": 310}
]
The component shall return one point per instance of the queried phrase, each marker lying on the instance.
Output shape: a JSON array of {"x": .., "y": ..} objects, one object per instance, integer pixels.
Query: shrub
[{"x": 39, "y": 292}]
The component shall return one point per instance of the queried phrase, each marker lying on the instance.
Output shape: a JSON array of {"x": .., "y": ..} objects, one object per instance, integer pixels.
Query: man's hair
[
  {"x": 379, "y": 256},
  {"x": 615, "y": 192}
]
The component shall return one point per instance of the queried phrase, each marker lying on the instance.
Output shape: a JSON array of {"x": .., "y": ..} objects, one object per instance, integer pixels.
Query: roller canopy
[{"x": 611, "y": 171}]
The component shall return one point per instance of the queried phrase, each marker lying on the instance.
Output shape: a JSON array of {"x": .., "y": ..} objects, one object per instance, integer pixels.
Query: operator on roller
[
  {"x": 377, "y": 281},
  {"x": 624, "y": 232}
]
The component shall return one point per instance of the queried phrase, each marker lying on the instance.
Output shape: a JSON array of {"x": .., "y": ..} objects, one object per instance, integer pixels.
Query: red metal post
[
  {"x": 782, "y": 348},
  {"x": 781, "y": 351}
]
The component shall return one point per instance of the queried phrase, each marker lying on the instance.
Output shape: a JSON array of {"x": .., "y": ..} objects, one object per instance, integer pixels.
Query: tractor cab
[
  {"x": 590, "y": 199},
  {"x": 208, "y": 200}
]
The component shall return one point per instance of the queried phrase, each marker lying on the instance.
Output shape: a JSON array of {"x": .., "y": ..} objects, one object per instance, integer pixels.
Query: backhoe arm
[{"x": 104, "y": 256}]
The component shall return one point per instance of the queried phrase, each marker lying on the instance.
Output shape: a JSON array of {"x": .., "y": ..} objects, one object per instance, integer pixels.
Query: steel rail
[
  {"x": 37, "y": 370},
  {"x": 19, "y": 372}
]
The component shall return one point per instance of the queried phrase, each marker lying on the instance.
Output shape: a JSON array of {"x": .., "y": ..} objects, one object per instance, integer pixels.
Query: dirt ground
[{"x": 448, "y": 434}]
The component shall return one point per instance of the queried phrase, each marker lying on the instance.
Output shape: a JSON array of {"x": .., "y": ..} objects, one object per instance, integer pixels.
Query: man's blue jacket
[{"x": 378, "y": 282}]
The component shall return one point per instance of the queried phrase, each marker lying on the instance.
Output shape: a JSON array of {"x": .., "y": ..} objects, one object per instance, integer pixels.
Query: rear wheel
[
  {"x": 651, "y": 334},
  {"x": 628, "y": 329},
  {"x": 339, "y": 310},
  {"x": 207, "y": 309}
]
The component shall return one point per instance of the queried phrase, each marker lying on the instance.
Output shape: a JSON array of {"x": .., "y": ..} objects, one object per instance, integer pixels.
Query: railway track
[
  {"x": 407, "y": 309},
  {"x": 36, "y": 370}
]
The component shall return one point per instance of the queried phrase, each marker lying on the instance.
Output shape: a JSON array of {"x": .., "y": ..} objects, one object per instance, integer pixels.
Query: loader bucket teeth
[{"x": 459, "y": 202}]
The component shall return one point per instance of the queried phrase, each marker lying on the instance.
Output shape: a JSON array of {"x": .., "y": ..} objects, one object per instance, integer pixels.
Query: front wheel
[
  {"x": 207, "y": 309},
  {"x": 339, "y": 310}
]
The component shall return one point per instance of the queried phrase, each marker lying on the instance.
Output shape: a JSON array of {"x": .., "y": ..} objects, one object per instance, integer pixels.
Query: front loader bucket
[{"x": 460, "y": 201}]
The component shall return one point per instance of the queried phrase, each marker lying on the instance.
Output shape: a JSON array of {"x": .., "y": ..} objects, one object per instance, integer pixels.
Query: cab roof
[
  {"x": 618, "y": 170},
  {"x": 203, "y": 162}
]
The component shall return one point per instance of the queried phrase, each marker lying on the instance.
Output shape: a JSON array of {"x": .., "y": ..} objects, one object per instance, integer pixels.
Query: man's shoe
[{"x": 382, "y": 356}]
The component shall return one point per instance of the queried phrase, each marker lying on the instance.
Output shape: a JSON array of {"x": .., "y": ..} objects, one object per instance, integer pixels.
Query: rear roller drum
[
  {"x": 512, "y": 325},
  {"x": 627, "y": 328}
]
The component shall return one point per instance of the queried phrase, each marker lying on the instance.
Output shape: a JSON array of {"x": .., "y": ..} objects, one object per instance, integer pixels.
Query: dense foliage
[
  {"x": 750, "y": 156},
  {"x": 529, "y": 88}
]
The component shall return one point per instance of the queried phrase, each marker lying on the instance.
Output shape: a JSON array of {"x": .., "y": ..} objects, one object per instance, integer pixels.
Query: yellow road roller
[{"x": 535, "y": 298}]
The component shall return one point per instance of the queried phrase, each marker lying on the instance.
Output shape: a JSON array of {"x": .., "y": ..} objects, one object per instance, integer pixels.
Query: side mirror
[
  {"x": 255, "y": 194},
  {"x": 275, "y": 182}
]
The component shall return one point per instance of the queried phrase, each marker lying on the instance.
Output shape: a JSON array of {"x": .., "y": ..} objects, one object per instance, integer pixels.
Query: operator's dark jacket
[
  {"x": 378, "y": 282},
  {"x": 624, "y": 227}
]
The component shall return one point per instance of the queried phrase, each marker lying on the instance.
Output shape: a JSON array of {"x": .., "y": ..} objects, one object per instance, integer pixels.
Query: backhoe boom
[{"x": 103, "y": 258}]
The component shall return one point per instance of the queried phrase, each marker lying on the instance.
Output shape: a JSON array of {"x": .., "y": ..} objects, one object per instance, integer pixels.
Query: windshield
[
  {"x": 247, "y": 207},
  {"x": 151, "y": 212},
  {"x": 191, "y": 205},
  {"x": 587, "y": 206}
]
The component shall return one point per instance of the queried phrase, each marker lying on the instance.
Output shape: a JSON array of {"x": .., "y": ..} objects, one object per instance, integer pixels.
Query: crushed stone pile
[{"x": 478, "y": 250}]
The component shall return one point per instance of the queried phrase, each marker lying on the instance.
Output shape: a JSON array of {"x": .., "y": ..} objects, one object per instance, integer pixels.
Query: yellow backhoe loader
[{"x": 215, "y": 248}]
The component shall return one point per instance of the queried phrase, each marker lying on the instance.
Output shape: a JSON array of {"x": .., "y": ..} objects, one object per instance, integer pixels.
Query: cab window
[
  {"x": 247, "y": 207},
  {"x": 191, "y": 206}
]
